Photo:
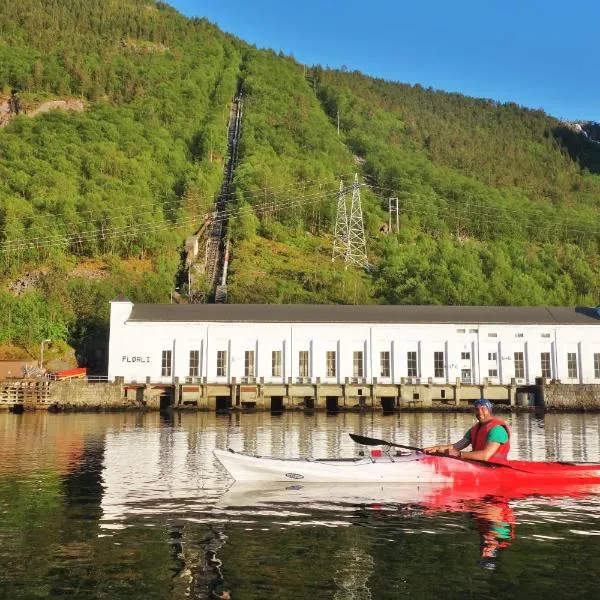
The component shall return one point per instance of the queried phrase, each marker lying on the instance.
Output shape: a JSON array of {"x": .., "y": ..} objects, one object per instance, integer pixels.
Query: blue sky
[{"x": 538, "y": 53}]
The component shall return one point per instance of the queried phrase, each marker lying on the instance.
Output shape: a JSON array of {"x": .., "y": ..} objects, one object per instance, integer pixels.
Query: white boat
[
  {"x": 417, "y": 467},
  {"x": 384, "y": 468}
]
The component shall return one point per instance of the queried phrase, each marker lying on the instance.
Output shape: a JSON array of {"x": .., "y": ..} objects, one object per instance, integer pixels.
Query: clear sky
[{"x": 538, "y": 53}]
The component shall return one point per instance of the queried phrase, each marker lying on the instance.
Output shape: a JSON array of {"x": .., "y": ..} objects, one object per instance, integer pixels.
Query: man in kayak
[{"x": 489, "y": 438}]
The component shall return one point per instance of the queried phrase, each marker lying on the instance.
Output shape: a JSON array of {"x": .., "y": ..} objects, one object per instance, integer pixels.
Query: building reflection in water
[{"x": 133, "y": 466}]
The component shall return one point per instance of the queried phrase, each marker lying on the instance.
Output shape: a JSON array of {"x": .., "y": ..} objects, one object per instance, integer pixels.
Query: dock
[{"x": 81, "y": 394}]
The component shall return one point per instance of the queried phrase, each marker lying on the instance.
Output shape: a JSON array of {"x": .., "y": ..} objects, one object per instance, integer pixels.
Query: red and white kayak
[{"x": 414, "y": 468}]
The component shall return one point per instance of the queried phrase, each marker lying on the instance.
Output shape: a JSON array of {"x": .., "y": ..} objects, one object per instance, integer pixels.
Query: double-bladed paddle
[{"x": 367, "y": 441}]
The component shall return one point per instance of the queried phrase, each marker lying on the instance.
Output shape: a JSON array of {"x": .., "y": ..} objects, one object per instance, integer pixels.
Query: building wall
[
  {"x": 13, "y": 368},
  {"x": 472, "y": 353}
]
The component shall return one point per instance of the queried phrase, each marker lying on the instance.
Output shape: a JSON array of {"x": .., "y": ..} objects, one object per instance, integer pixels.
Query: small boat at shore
[{"x": 415, "y": 468}]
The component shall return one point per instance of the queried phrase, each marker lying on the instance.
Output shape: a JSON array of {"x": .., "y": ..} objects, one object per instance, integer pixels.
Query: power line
[
  {"x": 484, "y": 213},
  {"x": 113, "y": 233}
]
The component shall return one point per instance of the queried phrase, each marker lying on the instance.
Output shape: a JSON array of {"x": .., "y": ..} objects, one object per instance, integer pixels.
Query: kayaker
[{"x": 489, "y": 438}]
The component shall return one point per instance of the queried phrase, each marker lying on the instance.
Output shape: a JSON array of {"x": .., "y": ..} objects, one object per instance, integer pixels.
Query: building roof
[{"x": 334, "y": 313}]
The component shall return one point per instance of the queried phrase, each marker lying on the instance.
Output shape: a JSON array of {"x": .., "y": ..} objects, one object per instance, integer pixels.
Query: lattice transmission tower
[
  {"x": 340, "y": 233},
  {"x": 349, "y": 238}
]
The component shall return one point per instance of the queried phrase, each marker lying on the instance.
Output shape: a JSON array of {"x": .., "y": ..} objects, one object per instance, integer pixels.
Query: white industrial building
[{"x": 332, "y": 344}]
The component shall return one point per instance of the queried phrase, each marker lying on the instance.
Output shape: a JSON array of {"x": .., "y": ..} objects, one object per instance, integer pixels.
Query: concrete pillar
[
  {"x": 176, "y": 392},
  {"x": 260, "y": 400},
  {"x": 540, "y": 399},
  {"x": 512, "y": 392},
  {"x": 233, "y": 392},
  {"x": 457, "y": 390},
  {"x": 204, "y": 399},
  {"x": 484, "y": 387},
  {"x": 425, "y": 396}
]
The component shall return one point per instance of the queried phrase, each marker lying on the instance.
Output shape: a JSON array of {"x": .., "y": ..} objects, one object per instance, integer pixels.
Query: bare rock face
[
  {"x": 8, "y": 112},
  {"x": 69, "y": 104},
  {"x": 589, "y": 129},
  {"x": 5, "y": 113},
  {"x": 27, "y": 281}
]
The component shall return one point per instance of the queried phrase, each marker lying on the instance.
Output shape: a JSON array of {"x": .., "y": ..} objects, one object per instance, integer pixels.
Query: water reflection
[
  {"x": 495, "y": 521},
  {"x": 134, "y": 505}
]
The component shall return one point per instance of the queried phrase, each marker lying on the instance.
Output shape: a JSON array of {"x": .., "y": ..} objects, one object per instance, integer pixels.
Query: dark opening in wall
[
  {"x": 331, "y": 404},
  {"x": 223, "y": 404},
  {"x": 309, "y": 402},
  {"x": 388, "y": 404},
  {"x": 164, "y": 402},
  {"x": 277, "y": 405}
]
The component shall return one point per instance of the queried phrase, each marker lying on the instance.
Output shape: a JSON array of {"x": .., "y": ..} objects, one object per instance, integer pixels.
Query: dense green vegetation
[
  {"x": 494, "y": 208},
  {"x": 498, "y": 204},
  {"x": 128, "y": 177}
]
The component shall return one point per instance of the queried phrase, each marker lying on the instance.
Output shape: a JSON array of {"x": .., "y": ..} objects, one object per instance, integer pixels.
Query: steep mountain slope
[
  {"x": 125, "y": 179},
  {"x": 498, "y": 204}
]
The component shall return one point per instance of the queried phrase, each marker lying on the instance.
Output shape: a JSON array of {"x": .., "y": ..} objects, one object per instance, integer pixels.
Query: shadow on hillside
[{"x": 585, "y": 152}]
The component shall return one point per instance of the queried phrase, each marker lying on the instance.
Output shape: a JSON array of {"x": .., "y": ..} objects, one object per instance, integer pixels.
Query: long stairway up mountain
[{"x": 217, "y": 242}]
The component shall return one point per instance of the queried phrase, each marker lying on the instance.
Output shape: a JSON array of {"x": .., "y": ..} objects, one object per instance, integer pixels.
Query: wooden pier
[{"x": 16, "y": 394}]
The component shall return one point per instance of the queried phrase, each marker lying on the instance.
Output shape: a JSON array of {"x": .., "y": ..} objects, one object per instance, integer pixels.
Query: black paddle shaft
[{"x": 367, "y": 441}]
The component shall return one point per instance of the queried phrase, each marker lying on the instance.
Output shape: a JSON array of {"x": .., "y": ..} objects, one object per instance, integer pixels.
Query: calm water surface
[{"x": 134, "y": 506}]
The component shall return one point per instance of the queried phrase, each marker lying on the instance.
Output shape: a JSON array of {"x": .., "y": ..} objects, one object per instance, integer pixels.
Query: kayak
[{"x": 417, "y": 467}]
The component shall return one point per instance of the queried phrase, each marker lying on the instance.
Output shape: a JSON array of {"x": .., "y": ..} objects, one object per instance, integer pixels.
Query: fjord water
[{"x": 135, "y": 506}]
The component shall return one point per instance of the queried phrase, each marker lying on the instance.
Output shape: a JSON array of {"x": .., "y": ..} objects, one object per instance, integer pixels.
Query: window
[
  {"x": 165, "y": 370},
  {"x": 572, "y": 365},
  {"x": 546, "y": 367},
  {"x": 438, "y": 364},
  {"x": 249, "y": 363},
  {"x": 545, "y": 335},
  {"x": 519, "y": 335},
  {"x": 519, "y": 365},
  {"x": 303, "y": 363},
  {"x": 465, "y": 356},
  {"x": 461, "y": 331},
  {"x": 411, "y": 364},
  {"x": 276, "y": 363},
  {"x": 597, "y": 365},
  {"x": 492, "y": 372},
  {"x": 492, "y": 335},
  {"x": 384, "y": 362},
  {"x": 357, "y": 364},
  {"x": 194, "y": 363},
  {"x": 331, "y": 363},
  {"x": 222, "y": 363},
  {"x": 493, "y": 356},
  {"x": 473, "y": 330}
]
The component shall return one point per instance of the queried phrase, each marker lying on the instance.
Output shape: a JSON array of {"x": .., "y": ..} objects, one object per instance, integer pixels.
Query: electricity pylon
[
  {"x": 340, "y": 235},
  {"x": 357, "y": 245},
  {"x": 349, "y": 236}
]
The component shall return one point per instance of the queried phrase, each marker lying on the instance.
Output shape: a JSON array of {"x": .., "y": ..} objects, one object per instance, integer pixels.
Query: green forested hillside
[
  {"x": 122, "y": 180},
  {"x": 498, "y": 204}
]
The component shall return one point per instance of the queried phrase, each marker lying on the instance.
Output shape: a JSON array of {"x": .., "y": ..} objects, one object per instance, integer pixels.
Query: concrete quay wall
[
  {"x": 81, "y": 395},
  {"x": 561, "y": 396}
]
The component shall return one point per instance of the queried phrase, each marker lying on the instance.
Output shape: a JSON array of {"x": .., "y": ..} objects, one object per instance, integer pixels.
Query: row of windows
[
  {"x": 493, "y": 335},
  {"x": 384, "y": 364}
]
